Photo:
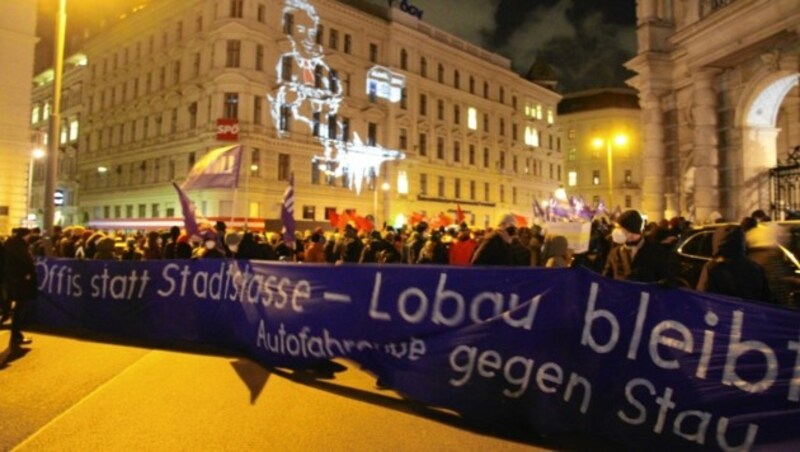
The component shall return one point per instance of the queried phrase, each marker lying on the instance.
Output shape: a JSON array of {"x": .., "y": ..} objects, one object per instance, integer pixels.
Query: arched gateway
[{"x": 718, "y": 84}]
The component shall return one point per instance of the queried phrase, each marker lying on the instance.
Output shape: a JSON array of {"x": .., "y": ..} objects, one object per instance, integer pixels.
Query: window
[
  {"x": 286, "y": 68},
  {"x": 315, "y": 122},
  {"x": 486, "y": 191},
  {"x": 309, "y": 212},
  {"x": 471, "y": 84},
  {"x": 372, "y": 134},
  {"x": 403, "y": 99},
  {"x": 231, "y": 105},
  {"x": 259, "y": 57},
  {"x": 456, "y": 114},
  {"x": 288, "y": 23},
  {"x": 596, "y": 177},
  {"x": 485, "y": 157},
  {"x": 485, "y": 122},
  {"x": 423, "y": 144},
  {"x": 403, "y": 138},
  {"x": 423, "y": 104},
  {"x": 472, "y": 190},
  {"x": 283, "y": 166},
  {"x": 423, "y": 67},
  {"x": 502, "y": 160},
  {"x": 440, "y": 109},
  {"x": 315, "y": 173},
  {"x": 232, "y": 53},
  {"x": 456, "y": 79},
  {"x": 333, "y": 39},
  {"x": 628, "y": 177},
  {"x": 514, "y": 165},
  {"x": 156, "y": 210},
  {"x": 514, "y": 132},
  {"x": 237, "y": 6},
  {"x": 195, "y": 68},
  {"x": 178, "y": 37},
  {"x": 286, "y": 117},
  {"x": 502, "y": 193},
  {"x": 198, "y": 27},
  {"x": 456, "y": 151},
  {"x": 332, "y": 127},
  {"x": 440, "y": 186},
  {"x": 373, "y": 52},
  {"x": 403, "y": 59},
  {"x": 457, "y": 188},
  {"x": 502, "y": 95},
  {"x": 255, "y": 162},
  {"x": 440, "y": 73},
  {"x": 471, "y": 154},
  {"x": 502, "y": 127},
  {"x": 514, "y": 102},
  {"x": 485, "y": 90},
  {"x": 423, "y": 184},
  {"x": 257, "y": 109},
  {"x": 531, "y": 136},
  {"x": 261, "y": 13},
  {"x": 572, "y": 178},
  {"x": 628, "y": 201},
  {"x": 440, "y": 148},
  {"x": 176, "y": 75},
  {"x": 348, "y": 44},
  {"x": 173, "y": 121},
  {"x": 472, "y": 118},
  {"x": 346, "y": 129},
  {"x": 320, "y": 38}
]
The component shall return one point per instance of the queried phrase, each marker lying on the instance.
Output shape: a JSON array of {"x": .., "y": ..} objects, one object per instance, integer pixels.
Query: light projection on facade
[{"x": 310, "y": 92}]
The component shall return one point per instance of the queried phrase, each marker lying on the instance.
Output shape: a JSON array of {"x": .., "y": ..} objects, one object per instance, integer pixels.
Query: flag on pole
[
  {"x": 219, "y": 168},
  {"x": 459, "y": 214},
  {"x": 189, "y": 213},
  {"x": 538, "y": 212},
  {"x": 287, "y": 214}
]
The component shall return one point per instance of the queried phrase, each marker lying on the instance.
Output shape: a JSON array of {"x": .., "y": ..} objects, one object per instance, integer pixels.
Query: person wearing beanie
[
  {"x": 635, "y": 258},
  {"x": 496, "y": 248}
]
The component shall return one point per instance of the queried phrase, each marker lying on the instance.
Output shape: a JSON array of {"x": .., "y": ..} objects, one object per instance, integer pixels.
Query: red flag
[
  {"x": 333, "y": 219},
  {"x": 459, "y": 214},
  {"x": 521, "y": 221}
]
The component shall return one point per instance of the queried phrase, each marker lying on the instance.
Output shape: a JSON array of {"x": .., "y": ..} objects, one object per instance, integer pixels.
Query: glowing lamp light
[
  {"x": 402, "y": 183},
  {"x": 560, "y": 194},
  {"x": 399, "y": 221},
  {"x": 385, "y": 186},
  {"x": 253, "y": 167},
  {"x": 38, "y": 153},
  {"x": 102, "y": 169},
  {"x": 621, "y": 140},
  {"x": 598, "y": 142}
]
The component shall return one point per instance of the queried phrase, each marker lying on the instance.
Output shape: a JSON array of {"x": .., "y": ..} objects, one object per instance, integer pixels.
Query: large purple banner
[{"x": 549, "y": 351}]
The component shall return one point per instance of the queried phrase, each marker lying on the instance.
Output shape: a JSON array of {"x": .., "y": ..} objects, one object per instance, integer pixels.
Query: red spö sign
[{"x": 228, "y": 129}]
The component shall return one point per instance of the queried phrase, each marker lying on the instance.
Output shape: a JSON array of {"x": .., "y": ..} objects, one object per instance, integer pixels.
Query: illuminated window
[
  {"x": 309, "y": 212},
  {"x": 531, "y": 136},
  {"x": 572, "y": 154},
  {"x": 46, "y": 112},
  {"x": 538, "y": 111},
  {"x": 596, "y": 177},
  {"x": 402, "y": 183},
  {"x": 572, "y": 178},
  {"x": 35, "y": 114},
  {"x": 550, "y": 116},
  {"x": 571, "y": 134},
  {"x": 472, "y": 118},
  {"x": 231, "y": 105}
]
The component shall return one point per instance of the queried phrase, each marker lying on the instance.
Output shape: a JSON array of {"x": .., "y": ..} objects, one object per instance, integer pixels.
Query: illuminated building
[
  {"x": 718, "y": 88},
  {"x": 67, "y": 186},
  {"x": 599, "y": 124},
  {"x": 177, "y": 78},
  {"x": 17, "y": 39}
]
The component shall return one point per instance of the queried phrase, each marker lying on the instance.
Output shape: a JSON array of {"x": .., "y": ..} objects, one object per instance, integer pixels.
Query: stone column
[
  {"x": 758, "y": 156},
  {"x": 706, "y": 160},
  {"x": 653, "y": 158}
]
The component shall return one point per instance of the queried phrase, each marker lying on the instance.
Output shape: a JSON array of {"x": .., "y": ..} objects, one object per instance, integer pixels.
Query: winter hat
[
  {"x": 631, "y": 221},
  {"x": 506, "y": 221}
]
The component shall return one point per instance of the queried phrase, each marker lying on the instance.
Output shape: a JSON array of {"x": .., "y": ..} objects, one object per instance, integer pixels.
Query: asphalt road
[{"x": 83, "y": 392}]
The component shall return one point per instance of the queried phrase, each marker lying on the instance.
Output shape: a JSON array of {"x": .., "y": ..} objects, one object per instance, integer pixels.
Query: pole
[
  {"x": 55, "y": 121},
  {"x": 29, "y": 196},
  {"x": 610, "y": 175}
]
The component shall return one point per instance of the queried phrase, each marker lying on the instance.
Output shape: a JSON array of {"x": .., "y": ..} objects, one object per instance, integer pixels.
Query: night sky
[{"x": 585, "y": 41}]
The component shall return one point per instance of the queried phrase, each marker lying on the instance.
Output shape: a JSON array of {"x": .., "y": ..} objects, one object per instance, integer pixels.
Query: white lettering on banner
[
  {"x": 120, "y": 287},
  {"x": 517, "y": 372},
  {"x": 306, "y": 345},
  {"x": 449, "y": 306},
  {"x": 678, "y": 338},
  {"x": 691, "y": 425},
  {"x": 59, "y": 280}
]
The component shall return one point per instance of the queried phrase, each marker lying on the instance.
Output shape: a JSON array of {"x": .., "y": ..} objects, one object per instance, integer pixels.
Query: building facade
[
  {"x": 718, "y": 91},
  {"x": 17, "y": 41},
  {"x": 159, "y": 84},
  {"x": 602, "y": 140}
]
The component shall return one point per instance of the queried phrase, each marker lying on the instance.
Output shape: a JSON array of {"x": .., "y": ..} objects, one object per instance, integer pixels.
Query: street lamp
[
  {"x": 618, "y": 140},
  {"x": 55, "y": 121},
  {"x": 36, "y": 154}
]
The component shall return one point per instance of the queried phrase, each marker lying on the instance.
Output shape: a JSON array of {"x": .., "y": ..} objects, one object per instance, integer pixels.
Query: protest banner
[
  {"x": 546, "y": 350},
  {"x": 577, "y": 234}
]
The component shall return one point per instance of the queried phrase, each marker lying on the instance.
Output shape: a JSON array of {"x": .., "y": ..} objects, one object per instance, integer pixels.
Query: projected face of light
[
  {"x": 306, "y": 34},
  {"x": 312, "y": 93}
]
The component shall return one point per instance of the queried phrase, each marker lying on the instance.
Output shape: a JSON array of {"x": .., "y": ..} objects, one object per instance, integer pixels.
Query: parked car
[{"x": 696, "y": 249}]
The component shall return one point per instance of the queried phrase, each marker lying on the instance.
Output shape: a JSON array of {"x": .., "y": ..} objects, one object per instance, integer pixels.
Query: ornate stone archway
[{"x": 756, "y": 117}]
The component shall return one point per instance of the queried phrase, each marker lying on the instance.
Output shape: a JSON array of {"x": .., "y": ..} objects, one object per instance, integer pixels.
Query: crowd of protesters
[{"x": 627, "y": 248}]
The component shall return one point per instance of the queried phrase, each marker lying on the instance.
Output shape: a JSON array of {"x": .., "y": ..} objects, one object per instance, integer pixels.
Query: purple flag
[
  {"x": 287, "y": 214},
  {"x": 217, "y": 169},
  {"x": 537, "y": 210},
  {"x": 189, "y": 214}
]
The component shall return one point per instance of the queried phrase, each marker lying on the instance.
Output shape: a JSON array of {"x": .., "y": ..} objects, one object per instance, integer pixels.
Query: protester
[
  {"x": 5, "y": 303},
  {"x": 636, "y": 259},
  {"x": 172, "y": 243},
  {"x": 730, "y": 272},
  {"x": 496, "y": 248},
  {"x": 315, "y": 250},
  {"x": 20, "y": 282},
  {"x": 462, "y": 249},
  {"x": 131, "y": 252},
  {"x": 555, "y": 252}
]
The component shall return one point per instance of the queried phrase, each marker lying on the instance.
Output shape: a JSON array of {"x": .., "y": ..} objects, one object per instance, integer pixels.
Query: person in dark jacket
[
  {"x": 5, "y": 303},
  {"x": 20, "y": 281},
  {"x": 636, "y": 259},
  {"x": 730, "y": 272},
  {"x": 496, "y": 248}
]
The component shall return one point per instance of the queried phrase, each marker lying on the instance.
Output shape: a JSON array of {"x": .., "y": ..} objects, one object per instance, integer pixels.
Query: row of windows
[
  {"x": 333, "y": 42},
  {"x": 466, "y": 191}
]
